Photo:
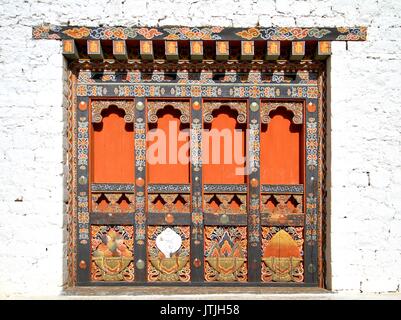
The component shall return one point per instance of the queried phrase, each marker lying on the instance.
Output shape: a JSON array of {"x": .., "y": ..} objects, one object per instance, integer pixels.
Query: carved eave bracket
[
  {"x": 155, "y": 106},
  {"x": 99, "y": 105},
  {"x": 209, "y": 107},
  {"x": 295, "y": 107}
]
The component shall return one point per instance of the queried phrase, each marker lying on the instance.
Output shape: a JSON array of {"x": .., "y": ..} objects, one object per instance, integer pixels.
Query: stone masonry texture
[{"x": 364, "y": 202}]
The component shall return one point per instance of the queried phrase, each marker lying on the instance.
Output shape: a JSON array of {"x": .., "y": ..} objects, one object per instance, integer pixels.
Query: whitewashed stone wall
[{"x": 365, "y": 202}]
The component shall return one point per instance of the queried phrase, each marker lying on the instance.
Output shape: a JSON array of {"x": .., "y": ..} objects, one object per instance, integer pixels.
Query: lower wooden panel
[{"x": 112, "y": 253}]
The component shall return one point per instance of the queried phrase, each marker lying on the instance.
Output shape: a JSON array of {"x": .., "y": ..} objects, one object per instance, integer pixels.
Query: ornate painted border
[
  {"x": 48, "y": 31},
  {"x": 108, "y": 88}
]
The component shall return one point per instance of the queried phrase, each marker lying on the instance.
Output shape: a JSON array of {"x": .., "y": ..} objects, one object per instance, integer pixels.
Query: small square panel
[
  {"x": 112, "y": 253},
  {"x": 226, "y": 254}
]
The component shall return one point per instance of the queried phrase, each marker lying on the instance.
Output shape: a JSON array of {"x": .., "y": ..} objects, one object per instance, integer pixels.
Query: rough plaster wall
[{"x": 365, "y": 139}]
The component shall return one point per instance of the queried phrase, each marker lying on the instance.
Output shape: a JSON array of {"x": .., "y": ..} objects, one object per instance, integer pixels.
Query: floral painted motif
[
  {"x": 253, "y": 92},
  {"x": 311, "y": 221},
  {"x": 196, "y": 91},
  {"x": 91, "y": 90},
  {"x": 83, "y": 143},
  {"x": 254, "y": 146},
  {"x": 140, "y": 144},
  {"x": 311, "y": 144},
  {"x": 139, "y": 91},
  {"x": 196, "y": 147}
]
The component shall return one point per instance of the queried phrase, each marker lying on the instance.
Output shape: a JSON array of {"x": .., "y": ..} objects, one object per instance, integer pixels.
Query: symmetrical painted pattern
[
  {"x": 282, "y": 254},
  {"x": 48, "y": 31},
  {"x": 112, "y": 253},
  {"x": 165, "y": 266},
  {"x": 226, "y": 254},
  {"x": 222, "y": 225}
]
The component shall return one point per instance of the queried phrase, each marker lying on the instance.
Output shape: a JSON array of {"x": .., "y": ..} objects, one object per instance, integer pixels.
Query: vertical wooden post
[
  {"x": 197, "y": 241},
  {"x": 253, "y": 165},
  {"x": 140, "y": 258},
  {"x": 83, "y": 194}
]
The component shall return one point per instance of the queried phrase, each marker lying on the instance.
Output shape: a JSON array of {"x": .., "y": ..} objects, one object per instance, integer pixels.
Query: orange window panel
[
  {"x": 113, "y": 149},
  {"x": 222, "y": 163},
  {"x": 281, "y": 150},
  {"x": 172, "y": 152}
]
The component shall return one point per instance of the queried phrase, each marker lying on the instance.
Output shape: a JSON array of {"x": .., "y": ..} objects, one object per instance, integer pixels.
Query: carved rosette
[
  {"x": 99, "y": 105},
  {"x": 155, "y": 106},
  {"x": 209, "y": 107},
  {"x": 295, "y": 107}
]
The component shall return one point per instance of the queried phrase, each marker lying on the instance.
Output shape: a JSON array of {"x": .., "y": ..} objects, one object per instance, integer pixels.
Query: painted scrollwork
[
  {"x": 210, "y": 106},
  {"x": 155, "y": 106},
  {"x": 295, "y": 107},
  {"x": 99, "y": 105}
]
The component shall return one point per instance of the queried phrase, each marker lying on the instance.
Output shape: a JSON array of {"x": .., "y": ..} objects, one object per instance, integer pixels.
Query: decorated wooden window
[{"x": 196, "y": 155}]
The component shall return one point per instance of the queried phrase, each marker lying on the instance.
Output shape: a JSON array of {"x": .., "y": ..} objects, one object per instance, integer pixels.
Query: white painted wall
[{"x": 365, "y": 138}]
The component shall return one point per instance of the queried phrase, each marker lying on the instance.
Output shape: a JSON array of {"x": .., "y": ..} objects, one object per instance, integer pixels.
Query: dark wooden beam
[{"x": 47, "y": 31}]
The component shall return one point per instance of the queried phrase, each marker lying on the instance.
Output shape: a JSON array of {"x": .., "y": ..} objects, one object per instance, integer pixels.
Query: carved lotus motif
[
  {"x": 282, "y": 257},
  {"x": 226, "y": 258},
  {"x": 169, "y": 267},
  {"x": 282, "y": 267},
  {"x": 112, "y": 267}
]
